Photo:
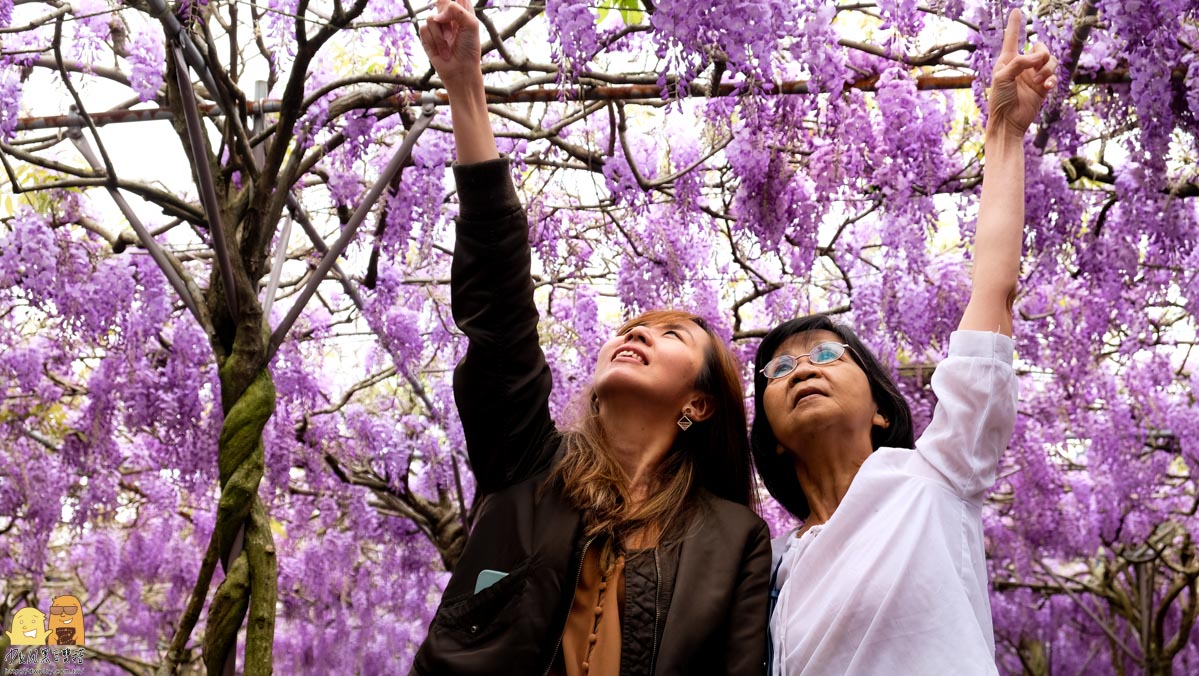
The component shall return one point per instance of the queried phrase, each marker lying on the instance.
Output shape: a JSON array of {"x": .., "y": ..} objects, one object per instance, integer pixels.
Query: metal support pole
[
  {"x": 272, "y": 286},
  {"x": 177, "y": 34},
  {"x": 260, "y": 111},
  {"x": 195, "y": 134},
  {"x": 297, "y": 214},
  {"x": 575, "y": 94}
]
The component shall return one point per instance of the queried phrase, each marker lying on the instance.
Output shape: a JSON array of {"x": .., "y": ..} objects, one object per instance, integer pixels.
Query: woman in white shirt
[{"x": 887, "y": 573}]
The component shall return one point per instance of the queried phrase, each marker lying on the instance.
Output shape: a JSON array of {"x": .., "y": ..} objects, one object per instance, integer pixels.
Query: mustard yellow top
[{"x": 591, "y": 641}]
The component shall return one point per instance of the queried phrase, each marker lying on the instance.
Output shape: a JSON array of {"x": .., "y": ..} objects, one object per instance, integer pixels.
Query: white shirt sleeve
[{"x": 975, "y": 413}]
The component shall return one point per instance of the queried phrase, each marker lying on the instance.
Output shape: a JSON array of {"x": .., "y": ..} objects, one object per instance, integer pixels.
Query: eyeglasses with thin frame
[{"x": 822, "y": 354}]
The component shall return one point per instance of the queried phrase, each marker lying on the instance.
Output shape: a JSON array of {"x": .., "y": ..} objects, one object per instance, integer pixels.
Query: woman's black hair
[{"x": 777, "y": 469}]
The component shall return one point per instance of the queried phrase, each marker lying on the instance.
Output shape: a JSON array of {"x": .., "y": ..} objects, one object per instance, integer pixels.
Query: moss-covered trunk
[{"x": 242, "y": 531}]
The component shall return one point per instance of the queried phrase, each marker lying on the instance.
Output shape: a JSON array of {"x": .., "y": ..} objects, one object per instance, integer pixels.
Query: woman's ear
[
  {"x": 700, "y": 407},
  {"x": 880, "y": 421}
]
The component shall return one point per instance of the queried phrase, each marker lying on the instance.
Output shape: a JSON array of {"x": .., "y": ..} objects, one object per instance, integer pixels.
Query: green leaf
[{"x": 630, "y": 11}]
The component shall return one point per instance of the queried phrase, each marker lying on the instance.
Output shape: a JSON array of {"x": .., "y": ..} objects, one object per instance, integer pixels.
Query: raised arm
[
  {"x": 1019, "y": 84},
  {"x": 976, "y": 385},
  {"x": 451, "y": 40},
  {"x": 502, "y": 385}
]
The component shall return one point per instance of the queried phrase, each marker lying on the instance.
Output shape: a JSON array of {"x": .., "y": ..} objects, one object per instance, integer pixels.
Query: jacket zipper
[
  {"x": 657, "y": 610},
  {"x": 562, "y": 634}
]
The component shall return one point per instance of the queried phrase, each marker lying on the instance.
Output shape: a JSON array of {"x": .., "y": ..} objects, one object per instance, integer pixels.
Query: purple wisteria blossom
[
  {"x": 147, "y": 56},
  {"x": 572, "y": 25},
  {"x": 139, "y": 422}
]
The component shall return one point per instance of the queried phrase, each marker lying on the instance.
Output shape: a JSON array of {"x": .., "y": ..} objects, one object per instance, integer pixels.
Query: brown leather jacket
[{"x": 698, "y": 607}]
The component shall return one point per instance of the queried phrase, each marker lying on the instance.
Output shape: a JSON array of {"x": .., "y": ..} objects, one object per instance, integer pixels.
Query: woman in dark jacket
[{"x": 626, "y": 545}]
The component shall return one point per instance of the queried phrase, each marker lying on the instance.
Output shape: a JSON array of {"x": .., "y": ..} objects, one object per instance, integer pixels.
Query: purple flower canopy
[{"x": 669, "y": 157}]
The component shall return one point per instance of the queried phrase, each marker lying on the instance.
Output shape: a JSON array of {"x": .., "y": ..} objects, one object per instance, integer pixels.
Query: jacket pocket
[{"x": 473, "y": 618}]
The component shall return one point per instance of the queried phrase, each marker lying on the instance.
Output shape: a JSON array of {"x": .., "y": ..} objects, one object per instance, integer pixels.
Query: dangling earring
[{"x": 684, "y": 422}]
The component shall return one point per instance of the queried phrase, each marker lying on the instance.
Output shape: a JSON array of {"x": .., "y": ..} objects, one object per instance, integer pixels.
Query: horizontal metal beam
[{"x": 607, "y": 93}]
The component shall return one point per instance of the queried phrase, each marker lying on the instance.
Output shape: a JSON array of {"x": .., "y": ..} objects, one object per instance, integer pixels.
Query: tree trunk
[
  {"x": 1033, "y": 658},
  {"x": 242, "y": 529}
]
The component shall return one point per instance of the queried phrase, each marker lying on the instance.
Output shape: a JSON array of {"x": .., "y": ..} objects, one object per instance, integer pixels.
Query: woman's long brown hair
[{"x": 712, "y": 454}]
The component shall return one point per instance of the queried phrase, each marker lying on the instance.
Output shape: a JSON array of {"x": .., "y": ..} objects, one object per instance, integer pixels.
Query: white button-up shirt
[{"x": 895, "y": 582}]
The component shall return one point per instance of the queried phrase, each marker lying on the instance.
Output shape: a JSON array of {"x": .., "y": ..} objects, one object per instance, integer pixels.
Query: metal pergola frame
[{"x": 564, "y": 94}]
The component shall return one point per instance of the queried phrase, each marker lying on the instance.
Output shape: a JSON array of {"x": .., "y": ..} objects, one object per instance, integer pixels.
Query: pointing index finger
[{"x": 1013, "y": 32}]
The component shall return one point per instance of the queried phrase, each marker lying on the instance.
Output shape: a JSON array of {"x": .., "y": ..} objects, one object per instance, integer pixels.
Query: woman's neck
[
  {"x": 638, "y": 436},
  {"x": 825, "y": 470}
]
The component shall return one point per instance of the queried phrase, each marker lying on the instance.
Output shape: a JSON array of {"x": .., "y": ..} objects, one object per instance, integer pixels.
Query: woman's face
[
  {"x": 657, "y": 361},
  {"x": 817, "y": 399}
]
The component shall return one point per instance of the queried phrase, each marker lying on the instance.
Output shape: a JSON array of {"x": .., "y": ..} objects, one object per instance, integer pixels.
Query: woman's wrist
[
  {"x": 1002, "y": 136},
  {"x": 466, "y": 89}
]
